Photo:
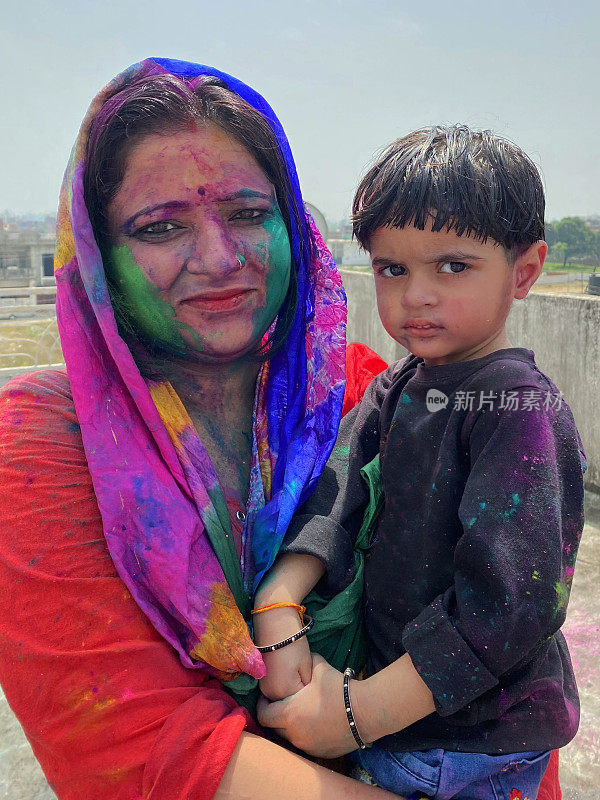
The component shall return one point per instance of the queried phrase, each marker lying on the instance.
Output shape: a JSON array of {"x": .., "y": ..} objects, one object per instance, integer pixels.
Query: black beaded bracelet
[
  {"x": 308, "y": 623},
  {"x": 349, "y": 673}
]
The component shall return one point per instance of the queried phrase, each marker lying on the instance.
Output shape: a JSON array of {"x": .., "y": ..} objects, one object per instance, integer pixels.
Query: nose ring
[{"x": 241, "y": 261}]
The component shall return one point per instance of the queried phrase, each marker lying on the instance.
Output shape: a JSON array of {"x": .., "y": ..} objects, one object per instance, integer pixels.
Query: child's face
[{"x": 446, "y": 297}]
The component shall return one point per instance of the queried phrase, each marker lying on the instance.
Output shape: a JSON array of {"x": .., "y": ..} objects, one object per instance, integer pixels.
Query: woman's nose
[{"x": 212, "y": 252}]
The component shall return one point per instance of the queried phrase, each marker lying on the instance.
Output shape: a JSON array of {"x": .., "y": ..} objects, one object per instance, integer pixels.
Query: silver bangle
[
  {"x": 270, "y": 648},
  {"x": 349, "y": 673}
]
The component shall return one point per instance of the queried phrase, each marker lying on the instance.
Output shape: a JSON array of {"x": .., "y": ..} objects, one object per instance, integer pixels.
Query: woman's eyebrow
[
  {"x": 172, "y": 205},
  {"x": 246, "y": 194},
  {"x": 178, "y": 205}
]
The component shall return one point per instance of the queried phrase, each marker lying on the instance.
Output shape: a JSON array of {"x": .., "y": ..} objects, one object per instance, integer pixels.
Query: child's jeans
[{"x": 441, "y": 774}]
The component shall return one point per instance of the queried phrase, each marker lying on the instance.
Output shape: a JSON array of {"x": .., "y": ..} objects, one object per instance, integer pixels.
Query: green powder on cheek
[
  {"x": 150, "y": 314},
  {"x": 278, "y": 275}
]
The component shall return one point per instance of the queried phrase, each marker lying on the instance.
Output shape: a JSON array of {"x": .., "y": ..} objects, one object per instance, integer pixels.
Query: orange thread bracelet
[{"x": 299, "y": 609}]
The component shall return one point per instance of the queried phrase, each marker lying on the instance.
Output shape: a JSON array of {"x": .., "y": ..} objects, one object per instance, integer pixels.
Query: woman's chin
[
  {"x": 219, "y": 348},
  {"x": 226, "y": 341}
]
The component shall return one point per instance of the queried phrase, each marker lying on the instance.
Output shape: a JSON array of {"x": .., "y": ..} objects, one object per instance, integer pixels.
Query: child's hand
[
  {"x": 315, "y": 718},
  {"x": 290, "y": 668}
]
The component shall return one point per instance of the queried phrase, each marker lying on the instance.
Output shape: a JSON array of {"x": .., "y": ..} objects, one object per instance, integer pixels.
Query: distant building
[
  {"x": 347, "y": 253},
  {"x": 342, "y": 230},
  {"x": 26, "y": 258},
  {"x": 593, "y": 223},
  {"x": 26, "y": 267}
]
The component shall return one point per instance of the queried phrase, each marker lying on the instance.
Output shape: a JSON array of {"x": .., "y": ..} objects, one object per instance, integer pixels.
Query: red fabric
[
  {"x": 108, "y": 708},
  {"x": 550, "y": 786},
  {"x": 362, "y": 365}
]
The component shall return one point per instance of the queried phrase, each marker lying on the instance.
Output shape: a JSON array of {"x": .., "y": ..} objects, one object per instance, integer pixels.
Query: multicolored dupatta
[{"x": 163, "y": 512}]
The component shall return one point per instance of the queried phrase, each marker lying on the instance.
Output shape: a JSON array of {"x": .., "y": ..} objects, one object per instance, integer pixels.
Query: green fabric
[
  {"x": 221, "y": 539},
  {"x": 338, "y": 633}
]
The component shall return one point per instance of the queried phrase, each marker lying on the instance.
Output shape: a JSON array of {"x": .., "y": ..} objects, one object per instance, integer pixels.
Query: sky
[{"x": 345, "y": 77}]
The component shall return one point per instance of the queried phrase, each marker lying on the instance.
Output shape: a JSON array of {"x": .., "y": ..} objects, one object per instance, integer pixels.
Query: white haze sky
[{"x": 344, "y": 76}]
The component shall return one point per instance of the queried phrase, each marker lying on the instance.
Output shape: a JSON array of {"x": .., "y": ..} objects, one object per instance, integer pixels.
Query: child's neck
[{"x": 499, "y": 342}]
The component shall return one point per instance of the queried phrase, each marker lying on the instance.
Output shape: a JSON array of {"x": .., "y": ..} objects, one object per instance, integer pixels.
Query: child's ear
[{"x": 527, "y": 268}]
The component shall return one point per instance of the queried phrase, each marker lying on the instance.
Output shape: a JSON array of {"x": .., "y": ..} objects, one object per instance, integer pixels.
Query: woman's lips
[{"x": 218, "y": 301}]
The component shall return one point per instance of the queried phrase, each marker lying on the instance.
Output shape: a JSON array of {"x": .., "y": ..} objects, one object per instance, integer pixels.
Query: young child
[{"x": 468, "y": 679}]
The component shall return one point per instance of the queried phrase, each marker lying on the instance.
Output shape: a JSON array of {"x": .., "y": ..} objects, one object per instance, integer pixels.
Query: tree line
[{"x": 570, "y": 238}]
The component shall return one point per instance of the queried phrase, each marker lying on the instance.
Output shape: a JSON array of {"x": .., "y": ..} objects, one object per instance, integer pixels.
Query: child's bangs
[{"x": 474, "y": 183}]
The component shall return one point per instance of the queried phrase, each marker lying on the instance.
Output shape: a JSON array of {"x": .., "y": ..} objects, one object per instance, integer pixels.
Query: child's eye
[
  {"x": 392, "y": 271},
  {"x": 454, "y": 267}
]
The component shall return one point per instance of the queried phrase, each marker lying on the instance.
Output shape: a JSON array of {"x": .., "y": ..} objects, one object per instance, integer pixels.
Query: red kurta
[{"x": 107, "y": 706}]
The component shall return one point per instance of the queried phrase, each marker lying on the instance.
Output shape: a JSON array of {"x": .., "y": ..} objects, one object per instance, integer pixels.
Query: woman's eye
[
  {"x": 454, "y": 267},
  {"x": 250, "y": 215},
  {"x": 155, "y": 230},
  {"x": 392, "y": 271}
]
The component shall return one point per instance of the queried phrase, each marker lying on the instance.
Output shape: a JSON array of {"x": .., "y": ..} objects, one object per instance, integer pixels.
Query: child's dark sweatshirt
[{"x": 472, "y": 557}]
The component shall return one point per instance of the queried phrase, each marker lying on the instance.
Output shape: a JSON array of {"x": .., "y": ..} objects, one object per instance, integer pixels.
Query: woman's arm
[{"x": 260, "y": 770}]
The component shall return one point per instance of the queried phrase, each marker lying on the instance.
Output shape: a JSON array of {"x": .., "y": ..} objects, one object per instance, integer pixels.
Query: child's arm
[
  {"x": 315, "y": 544},
  {"x": 290, "y": 579},
  {"x": 522, "y": 518}
]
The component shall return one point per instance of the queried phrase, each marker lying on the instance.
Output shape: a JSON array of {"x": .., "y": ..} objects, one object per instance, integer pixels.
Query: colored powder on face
[
  {"x": 279, "y": 256},
  {"x": 152, "y": 316}
]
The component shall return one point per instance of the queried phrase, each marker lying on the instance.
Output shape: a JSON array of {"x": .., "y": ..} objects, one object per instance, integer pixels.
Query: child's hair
[{"x": 472, "y": 182}]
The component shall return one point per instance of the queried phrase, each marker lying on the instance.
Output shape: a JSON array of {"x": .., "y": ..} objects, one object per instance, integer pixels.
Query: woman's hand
[{"x": 314, "y": 719}]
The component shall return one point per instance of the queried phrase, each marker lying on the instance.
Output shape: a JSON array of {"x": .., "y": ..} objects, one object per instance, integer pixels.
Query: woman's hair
[
  {"x": 162, "y": 105},
  {"x": 473, "y": 182}
]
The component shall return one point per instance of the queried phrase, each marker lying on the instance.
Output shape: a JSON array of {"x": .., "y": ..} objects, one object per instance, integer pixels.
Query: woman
[{"x": 145, "y": 495}]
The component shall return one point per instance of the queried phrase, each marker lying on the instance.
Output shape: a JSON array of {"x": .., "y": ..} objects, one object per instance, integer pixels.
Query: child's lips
[{"x": 421, "y": 328}]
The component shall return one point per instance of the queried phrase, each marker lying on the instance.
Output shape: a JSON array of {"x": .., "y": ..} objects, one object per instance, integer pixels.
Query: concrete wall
[{"x": 562, "y": 330}]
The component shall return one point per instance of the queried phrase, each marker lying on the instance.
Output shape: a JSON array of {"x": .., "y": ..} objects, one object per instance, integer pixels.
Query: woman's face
[{"x": 199, "y": 248}]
